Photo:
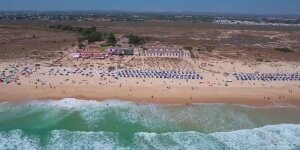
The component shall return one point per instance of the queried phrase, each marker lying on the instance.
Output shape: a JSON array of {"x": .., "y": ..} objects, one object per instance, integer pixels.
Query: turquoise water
[{"x": 113, "y": 124}]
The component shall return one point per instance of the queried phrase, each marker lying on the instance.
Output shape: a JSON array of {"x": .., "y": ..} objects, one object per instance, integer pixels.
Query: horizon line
[{"x": 152, "y": 11}]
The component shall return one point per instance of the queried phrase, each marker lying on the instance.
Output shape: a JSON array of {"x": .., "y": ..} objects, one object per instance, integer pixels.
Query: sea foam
[
  {"x": 273, "y": 137},
  {"x": 16, "y": 140}
]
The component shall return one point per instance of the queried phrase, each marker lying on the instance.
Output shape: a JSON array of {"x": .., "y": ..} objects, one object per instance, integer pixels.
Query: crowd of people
[
  {"x": 268, "y": 76},
  {"x": 12, "y": 73},
  {"x": 188, "y": 75},
  {"x": 88, "y": 72}
]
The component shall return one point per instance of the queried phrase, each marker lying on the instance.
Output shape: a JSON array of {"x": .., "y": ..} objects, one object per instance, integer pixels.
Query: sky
[{"x": 221, "y": 6}]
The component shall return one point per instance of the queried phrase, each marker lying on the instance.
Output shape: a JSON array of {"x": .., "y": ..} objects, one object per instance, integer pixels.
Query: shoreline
[{"x": 251, "y": 96}]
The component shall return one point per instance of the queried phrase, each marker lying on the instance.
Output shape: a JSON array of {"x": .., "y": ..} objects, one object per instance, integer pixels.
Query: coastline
[{"x": 252, "y": 96}]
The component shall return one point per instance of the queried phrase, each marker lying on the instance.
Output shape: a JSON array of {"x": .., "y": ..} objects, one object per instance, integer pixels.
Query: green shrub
[
  {"x": 284, "y": 49},
  {"x": 136, "y": 40},
  {"x": 259, "y": 59},
  {"x": 111, "y": 40},
  {"x": 188, "y": 47}
]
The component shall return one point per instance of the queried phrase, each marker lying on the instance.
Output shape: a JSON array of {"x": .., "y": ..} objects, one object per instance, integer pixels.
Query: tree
[
  {"x": 78, "y": 29},
  {"x": 59, "y": 26},
  {"x": 284, "y": 49},
  {"x": 94, "y": 37},
  {"x": 188, "y": 48},
  {"x": 81, "y": 39},
  {"x": 136, "y": 40},
  {"x": 87, "y": 31},
  {"x": 80, "y": 46},
  {"x": 111, "y": 40},
  {"x": 93, "y": 28},
  {"x": 67, "y": 28}
]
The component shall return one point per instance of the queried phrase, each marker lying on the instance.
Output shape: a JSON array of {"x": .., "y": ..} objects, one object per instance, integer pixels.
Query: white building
[
  {"x": 172, "y": 53},
  {"x": 74, "y": 55}
]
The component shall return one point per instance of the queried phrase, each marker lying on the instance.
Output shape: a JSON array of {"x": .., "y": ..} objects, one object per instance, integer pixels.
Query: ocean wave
[
  {"x": 76, "y": 140},
  {"x": 17, "y": 140},
  {"x": 283, "y": 136},
  {"x": 271, "y": 137},
  {"x": 113, "y": 124},
  {"x": 177, "y": 141},
  {"x": 113, "y": 115},
  {"x": 207, "y": 118}
]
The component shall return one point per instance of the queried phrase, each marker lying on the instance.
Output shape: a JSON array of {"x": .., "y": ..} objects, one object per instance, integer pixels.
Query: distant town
[{"x": 217, "y": 18}]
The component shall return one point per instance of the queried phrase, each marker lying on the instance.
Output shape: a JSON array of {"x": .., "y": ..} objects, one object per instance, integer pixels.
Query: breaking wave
[
  {"x": 285, "y": 136},
  {"x": 113, "y": 124}
]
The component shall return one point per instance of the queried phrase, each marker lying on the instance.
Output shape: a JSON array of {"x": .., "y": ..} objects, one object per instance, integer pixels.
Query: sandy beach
[
  {"x": 157, "y": 94},
  {"x": 90, "y": 80}
]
